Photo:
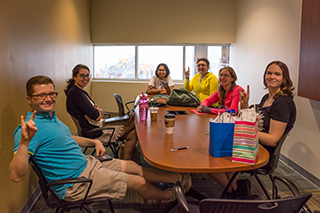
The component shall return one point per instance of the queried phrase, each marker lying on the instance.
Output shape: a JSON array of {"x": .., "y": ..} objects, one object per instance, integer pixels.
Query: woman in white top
[{"x": 155, "y": 85}]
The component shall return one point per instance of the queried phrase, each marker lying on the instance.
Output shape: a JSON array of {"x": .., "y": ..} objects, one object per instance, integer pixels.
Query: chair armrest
[
  {"x": 102, "y": 128},
  {"x": 70, "y": 181},
  {"x": 181, "y": 198},
  {"x": 129, "y": 102},
  {"x": 118, "y": 118},
  {"x": 105, "y": 114},
  {"x": 293, "y": 188}
]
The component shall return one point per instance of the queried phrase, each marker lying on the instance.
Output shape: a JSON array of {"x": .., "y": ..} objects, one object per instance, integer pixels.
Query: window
[
  {"x": 139, "y": 62},
  {"x": 114, "y": 62}
]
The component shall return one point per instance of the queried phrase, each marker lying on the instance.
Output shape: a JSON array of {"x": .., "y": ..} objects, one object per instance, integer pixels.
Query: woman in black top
[
  {"x": 279, "y": 114},
  {"x": 277, "y": 106},
  {"x": 82, "y": 107}
]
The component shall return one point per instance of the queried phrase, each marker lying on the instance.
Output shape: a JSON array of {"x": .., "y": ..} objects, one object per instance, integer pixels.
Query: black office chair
[
  {"x": 291, "y": 204},
  {"x": 269, "y": 168},
  {"x": 114, "y": 145},
  {"x": 121, "y": 105},
  {"x": 53, "y": 201},
  {"x": 266, "y": 170}
]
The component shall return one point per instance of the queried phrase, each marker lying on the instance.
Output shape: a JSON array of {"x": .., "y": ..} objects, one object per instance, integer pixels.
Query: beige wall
[
  {"x": 36, "y": 37},
  {"x": 163, "y": 21},
  {"x": 266, "y": 31},
  {"x": 102, "y": 93}
]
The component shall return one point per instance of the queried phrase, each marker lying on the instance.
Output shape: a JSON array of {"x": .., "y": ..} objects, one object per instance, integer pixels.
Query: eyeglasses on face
[
  {"x": 84, "y": 75},
  {"x": 224, "y": 75},
  {"x": 43, "y": 96},
  {"x": 161, "y": 70},
  {"x": 201, "y": 65}
]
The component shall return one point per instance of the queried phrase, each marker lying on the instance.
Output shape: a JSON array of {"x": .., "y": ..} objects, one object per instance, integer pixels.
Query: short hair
[
  {"x": 286, "y": 86},
  {"x": 205, "y": 60},
  {"x": 75, "y": 72},
  {"x": 165, "y": 67},
  {"x": 37, "y": 80}
]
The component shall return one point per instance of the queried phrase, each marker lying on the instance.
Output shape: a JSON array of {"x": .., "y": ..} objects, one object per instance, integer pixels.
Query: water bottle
[{"x": 143, "y": 107}]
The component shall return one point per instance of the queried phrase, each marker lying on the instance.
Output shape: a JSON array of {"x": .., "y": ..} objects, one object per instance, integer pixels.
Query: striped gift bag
[{"x": 245, "y": 142}]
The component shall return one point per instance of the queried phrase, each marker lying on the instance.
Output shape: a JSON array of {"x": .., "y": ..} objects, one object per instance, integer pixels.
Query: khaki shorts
[
  {"x": 105, "y": 137},
  {"x": 107, "y": 181}
]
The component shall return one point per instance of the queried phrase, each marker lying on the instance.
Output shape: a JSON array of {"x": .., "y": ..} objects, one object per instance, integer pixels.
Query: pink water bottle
[{"x": 143, "y": 107}]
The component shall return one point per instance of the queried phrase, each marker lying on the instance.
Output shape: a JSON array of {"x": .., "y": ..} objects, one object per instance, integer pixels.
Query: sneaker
[
  {"x": 172, "y": 193},
  {"x": 186, "y": 181}
]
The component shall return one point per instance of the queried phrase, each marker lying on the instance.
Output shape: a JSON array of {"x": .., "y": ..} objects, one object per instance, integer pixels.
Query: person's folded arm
[
  {"x": 82, "y": 102},
  {"x": 151, "y": 90},
  {"x": 276, "y": 131},
  {"x": 83, "y": 142}
]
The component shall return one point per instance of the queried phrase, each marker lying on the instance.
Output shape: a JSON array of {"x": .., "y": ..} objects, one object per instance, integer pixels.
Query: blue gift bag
[{"x": 221, "y": 139}]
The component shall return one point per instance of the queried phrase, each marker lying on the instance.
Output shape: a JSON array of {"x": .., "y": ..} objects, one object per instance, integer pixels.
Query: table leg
[{"x": 228, "y": 185}]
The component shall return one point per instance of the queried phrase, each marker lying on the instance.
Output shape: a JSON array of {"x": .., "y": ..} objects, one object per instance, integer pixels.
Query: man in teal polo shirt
[{"x": 58, "y": 154}]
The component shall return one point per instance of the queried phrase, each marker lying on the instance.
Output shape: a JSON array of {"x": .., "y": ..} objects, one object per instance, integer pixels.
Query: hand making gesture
[
  {"x": 28, "y": 129},
  {"x": 187, "y": 73},
  {"x": 244, "y": 98}
]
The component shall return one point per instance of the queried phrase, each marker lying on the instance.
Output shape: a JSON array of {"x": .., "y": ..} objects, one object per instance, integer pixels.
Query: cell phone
[{"x": 104, "y": 158}]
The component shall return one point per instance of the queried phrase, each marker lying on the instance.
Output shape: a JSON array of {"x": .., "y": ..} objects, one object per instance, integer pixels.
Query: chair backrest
[
  {"x": 76, "y": 122},
  {"x": 119, "y": 103},
  {"x": 274, "y": 156},
  {"x": 42, "y": 181},
  {"x": 288, "y": 205}
]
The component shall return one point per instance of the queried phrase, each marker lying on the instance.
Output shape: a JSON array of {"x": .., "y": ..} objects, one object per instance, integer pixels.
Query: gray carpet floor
[{"x": 204, "y": 184}]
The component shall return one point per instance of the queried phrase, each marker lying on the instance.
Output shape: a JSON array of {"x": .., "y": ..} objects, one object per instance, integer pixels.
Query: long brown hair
[
  {"x": 222, "y": 92},
  {"x": 286, "y": 86},
  {"x": 75, "y": 72}
]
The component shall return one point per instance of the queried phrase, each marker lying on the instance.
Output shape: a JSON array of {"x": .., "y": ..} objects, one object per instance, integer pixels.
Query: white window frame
[{"x": 198, "y": 54}]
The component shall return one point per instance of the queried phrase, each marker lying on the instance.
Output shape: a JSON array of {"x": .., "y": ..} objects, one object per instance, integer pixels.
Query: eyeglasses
[
  {"x": 161, "y": 70},
  {"x": 83, "y": 75},
  {"x": 43, "y": 96},
  {"x": 224, "y": 75},
  {"x": 201, "y": 65}
]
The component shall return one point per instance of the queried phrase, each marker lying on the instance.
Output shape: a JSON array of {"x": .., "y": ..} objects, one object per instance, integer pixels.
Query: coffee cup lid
[{"x": 169, "y": 115}]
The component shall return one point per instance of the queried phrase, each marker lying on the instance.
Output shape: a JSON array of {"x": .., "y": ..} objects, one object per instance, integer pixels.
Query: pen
[{"x": 176, "y": 149}]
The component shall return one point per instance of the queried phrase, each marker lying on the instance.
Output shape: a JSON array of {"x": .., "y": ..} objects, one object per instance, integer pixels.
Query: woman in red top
[{"x": 227, "y": 94}]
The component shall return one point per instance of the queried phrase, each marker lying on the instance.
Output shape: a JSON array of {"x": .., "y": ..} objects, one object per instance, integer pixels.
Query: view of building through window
[{"x": 138, "y": 62}]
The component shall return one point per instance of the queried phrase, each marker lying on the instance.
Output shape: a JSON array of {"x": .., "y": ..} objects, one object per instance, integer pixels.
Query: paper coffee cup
[{"x": 169, "y": 120}]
